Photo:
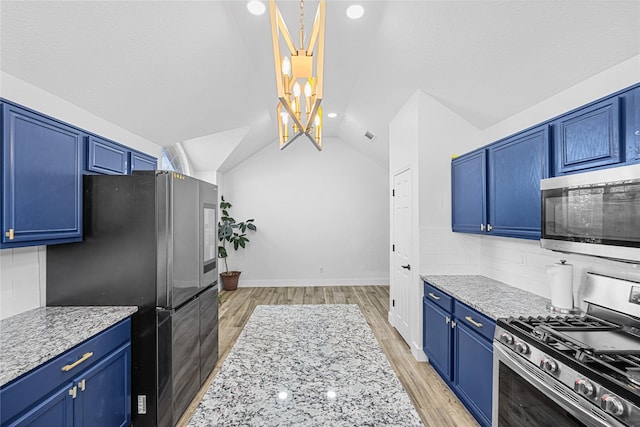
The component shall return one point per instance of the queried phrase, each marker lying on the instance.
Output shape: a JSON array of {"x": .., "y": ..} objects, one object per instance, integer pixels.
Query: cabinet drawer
[
  {"x": 474, "y": 320},
  {"x": 33, "y": 386},
  {"x": 438, "y": 297}
]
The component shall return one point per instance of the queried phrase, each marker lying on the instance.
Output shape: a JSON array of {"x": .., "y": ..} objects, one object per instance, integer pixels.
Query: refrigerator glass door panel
[
  {"x": 184, "y": 280},
  {"x": 185, "y": 356},
  {"x": 210, "y": 237}
]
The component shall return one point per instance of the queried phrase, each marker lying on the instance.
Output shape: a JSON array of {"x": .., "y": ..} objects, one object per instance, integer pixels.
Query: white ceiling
[{"x": 197, "y": 71}]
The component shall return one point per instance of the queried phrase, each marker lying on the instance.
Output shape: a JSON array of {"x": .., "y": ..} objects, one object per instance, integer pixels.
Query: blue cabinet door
[
  {"x": 516, "y": 166},
  {"x": 436, "y": 339},
  {"x": 588, "y": 138},
  {"x": 142, "y": 162},
  {"x": 104, "y": 392},
  {"x": 106, "y": 157},
  {"x": 468, "y": 192},
  {"x": 473, "y": 372},
  {"x": 631, "y": 101},
  {"x": 41, "y": 180},
  {"x": 55, "y": 410}
]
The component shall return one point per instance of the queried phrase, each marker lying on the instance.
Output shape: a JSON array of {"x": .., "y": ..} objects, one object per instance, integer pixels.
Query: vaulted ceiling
[{"x": 201, "y": 72}]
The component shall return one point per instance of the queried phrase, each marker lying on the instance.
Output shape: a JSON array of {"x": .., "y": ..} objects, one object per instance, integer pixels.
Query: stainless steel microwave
[{"x": 595, "y": 213}]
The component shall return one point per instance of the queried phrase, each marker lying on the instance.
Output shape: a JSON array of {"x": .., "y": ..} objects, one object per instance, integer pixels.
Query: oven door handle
[{"x": 583, "y": 413}]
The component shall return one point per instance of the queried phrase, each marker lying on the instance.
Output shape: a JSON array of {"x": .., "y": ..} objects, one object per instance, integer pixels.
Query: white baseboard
[
  {"x": 275, "y": 283},
  {"x": 418, "y": 353}
]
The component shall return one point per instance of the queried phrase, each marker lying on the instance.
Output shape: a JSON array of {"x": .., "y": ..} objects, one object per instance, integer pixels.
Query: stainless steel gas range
[{"x": 572, "y": 370}]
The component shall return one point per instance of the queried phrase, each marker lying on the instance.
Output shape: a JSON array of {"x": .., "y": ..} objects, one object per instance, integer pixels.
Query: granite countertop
[
  {"x": 306, "y": 365},
  {"x": 490, "y": 297},
  {"x": 30, "y": 339}
]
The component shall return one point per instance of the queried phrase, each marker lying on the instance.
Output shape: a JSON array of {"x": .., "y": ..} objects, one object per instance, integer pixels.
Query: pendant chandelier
[{"x": 298, "y": 78}]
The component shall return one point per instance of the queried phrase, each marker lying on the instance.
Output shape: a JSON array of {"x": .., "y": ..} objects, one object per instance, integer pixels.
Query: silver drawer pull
[
  {"x": 435, "y": 297},
  {"x": 473, "y": 322}
]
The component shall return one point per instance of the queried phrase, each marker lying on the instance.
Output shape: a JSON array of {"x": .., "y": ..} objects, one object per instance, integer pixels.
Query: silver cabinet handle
[
  {"x": 489, "y": 227},
  {"x": 481, "y": 227},
  {"x": 434, "y": 296},
  {"x": 447, "y": 320},
  {"x": 473, "y": 322}
]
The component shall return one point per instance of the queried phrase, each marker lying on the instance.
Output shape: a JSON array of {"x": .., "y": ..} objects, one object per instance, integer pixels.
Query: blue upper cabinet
[
  {"x": 41, "y": 179},
  {"x": 106, "y": 157},
  {"x": 142, "y": 162},
  {"x": 631, "y": 100},
  {"x": 588, "y": 137},
  {"x": 468, "y": 192},
  {"x": 496, "y": 190},
  {"x": 516, "y": 166},
  {"x": 110, "y": 158}
]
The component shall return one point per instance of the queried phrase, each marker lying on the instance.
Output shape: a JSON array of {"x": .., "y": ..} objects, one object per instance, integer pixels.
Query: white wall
[
  {"x": 423, "y": 136},
  {"x": 516, "y": 262},
  {"x": 322, "y": 217},
  {"x": 23, "y": 271}
]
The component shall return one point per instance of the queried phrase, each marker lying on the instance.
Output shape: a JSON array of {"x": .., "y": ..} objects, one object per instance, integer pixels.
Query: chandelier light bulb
[
  {"x": 317, "y": 121},
  {"x": 286, "y": 66},
  {"x": 307, "y": 89},
  {"x": 355, "y": 11},
  {"x": 256, "y": 7},
  {"x": 296, "y": 89},
  {"x": 285, "y": 118}
]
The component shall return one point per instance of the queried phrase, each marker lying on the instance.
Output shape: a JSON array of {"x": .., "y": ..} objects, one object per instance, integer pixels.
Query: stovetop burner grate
[{"x": 594, "y": 342}]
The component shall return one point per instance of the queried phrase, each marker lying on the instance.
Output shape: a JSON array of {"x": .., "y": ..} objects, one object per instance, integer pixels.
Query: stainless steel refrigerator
[{"x": 150, "y": 240}]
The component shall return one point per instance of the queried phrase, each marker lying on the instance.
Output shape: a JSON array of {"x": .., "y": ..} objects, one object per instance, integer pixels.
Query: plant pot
[{"x": 230, "y": 280}]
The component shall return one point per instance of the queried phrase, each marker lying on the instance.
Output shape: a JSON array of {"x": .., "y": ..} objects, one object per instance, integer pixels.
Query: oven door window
[{"x": 520, "y": 404}]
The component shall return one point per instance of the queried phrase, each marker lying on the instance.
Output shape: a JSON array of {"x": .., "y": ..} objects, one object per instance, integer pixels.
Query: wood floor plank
[{"x": 434, "y": 401}]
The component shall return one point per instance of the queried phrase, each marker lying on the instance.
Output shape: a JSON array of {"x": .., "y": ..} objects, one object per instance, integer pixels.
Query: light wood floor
[{"x": 433, "y": 400}]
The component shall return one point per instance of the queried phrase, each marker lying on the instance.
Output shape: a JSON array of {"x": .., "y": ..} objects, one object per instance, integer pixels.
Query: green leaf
[{"x": 251, "y": 227}]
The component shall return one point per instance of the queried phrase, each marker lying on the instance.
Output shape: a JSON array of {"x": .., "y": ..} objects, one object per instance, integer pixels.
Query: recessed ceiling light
[
  {"x": 355, "y": 11},
  {"x": 332, "y": 115},
  {"x": 256, "y": 7}
]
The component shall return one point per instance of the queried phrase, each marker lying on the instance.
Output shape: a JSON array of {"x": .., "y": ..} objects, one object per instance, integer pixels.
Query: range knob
[
  {"x": 506, "y": 338},
  {"x": 522, "y": 348},
  {"x": 584, "y": 387},
  {"x": 549, "y": 365},
  {"x": 612, "y": 405}
]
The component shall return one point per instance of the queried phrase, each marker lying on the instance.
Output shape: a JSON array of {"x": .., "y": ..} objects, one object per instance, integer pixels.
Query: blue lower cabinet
[
  {"x": 109, "y": 378},
  {"x": 89, "y": 385},
  {"x": 473, "y": 372},
  {"x": 459, "y": 346},
  {"x": 436, "y": 341},
  {"x": 55, "y": 410}
]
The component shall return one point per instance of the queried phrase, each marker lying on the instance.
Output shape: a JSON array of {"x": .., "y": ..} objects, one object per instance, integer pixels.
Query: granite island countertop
[
  {"x": 30, "y": 339},
  {"x": 490, "y": 297}
]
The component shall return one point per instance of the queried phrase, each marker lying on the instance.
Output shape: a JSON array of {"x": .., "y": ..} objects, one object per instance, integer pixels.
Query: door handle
[{"x": 408, "y": 266}]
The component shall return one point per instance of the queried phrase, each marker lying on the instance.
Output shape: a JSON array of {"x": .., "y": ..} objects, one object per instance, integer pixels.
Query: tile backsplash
[{"x": 516, "y": 262}]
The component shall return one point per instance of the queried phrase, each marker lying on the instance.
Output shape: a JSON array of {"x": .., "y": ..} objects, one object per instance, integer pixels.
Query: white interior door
[{"x": 401, "y": 275}]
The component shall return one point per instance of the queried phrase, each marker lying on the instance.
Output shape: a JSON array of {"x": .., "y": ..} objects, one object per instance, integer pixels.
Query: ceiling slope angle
[{"x": 173, "y": 71}]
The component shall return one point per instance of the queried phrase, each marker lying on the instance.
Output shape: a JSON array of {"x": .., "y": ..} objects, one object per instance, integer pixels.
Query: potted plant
[{"x": 231, "y": 233}]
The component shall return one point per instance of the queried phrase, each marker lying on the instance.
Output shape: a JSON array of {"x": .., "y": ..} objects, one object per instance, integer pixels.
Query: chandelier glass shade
[{"x": 299, "y": 77}]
